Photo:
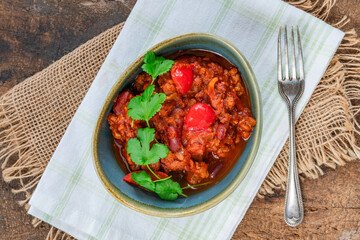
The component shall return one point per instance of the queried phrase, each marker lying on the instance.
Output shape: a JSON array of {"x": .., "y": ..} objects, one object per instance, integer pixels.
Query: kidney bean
[
  {"x": 216, "y": 170},
  {"x": 120, "y": 101},
  {"x": 221, "y": 131},
  {"x": 174, "y": 138}
]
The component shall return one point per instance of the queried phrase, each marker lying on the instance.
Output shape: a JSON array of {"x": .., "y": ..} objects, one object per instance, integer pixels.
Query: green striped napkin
[{"x": 70, "y": 195}]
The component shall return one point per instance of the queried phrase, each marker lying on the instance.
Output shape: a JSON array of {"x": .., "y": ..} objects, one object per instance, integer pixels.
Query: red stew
[{"x": 205, "y": 120}]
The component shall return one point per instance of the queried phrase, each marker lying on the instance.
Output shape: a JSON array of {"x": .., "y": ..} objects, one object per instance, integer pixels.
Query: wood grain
[
  {"x": 331, "y": 206},
  {"x": 35, "y": 33}
]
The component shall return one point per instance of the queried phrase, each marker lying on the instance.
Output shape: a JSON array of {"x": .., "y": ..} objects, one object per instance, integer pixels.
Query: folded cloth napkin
[{"x": 70, "y": 195}]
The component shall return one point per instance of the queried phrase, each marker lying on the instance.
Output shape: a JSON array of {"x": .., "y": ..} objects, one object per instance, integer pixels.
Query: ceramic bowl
[{"x": 111, "y": 174}]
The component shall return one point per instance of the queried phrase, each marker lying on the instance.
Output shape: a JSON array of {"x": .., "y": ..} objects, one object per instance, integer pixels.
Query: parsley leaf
[
  {"x": 139, "y": 148},
  {"x": 144, "y": 107},
  {"x": 156, "y": 66},
  {"x": 143, "y": 179},
  {"x": 168, "y": 189}
]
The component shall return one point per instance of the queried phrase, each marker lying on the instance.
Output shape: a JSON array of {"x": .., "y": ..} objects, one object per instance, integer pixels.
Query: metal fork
[{"x": 291, "y": 88}]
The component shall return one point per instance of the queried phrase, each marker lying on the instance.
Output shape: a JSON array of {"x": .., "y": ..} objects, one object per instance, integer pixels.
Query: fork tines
[{"x": 285, "y": 76}]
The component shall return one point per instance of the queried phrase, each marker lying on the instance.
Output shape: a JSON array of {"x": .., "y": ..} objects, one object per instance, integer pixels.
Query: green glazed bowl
[{"x": 111, "y": 174}]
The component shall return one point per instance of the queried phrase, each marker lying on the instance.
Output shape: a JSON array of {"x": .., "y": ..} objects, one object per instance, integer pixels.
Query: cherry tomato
[
  {"x": 129, "y": 179},
  {"x": 183, "y": 78},
  {"x": 199, "y": 117}
]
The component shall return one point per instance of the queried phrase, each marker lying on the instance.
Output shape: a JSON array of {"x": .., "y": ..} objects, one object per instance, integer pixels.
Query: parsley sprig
[
  {"x": 165, "y": 188},
  {"x": 144, "y": 107},
  {"x": 143, "y": 179},
  {"x": 140, "y": 151},
  {"x": 156, "y": 66},
  {"x": 141, "y": 154}
]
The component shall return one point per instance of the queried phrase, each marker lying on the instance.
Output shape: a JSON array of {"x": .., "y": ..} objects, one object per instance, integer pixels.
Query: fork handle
[{"x": 294, "y": 210}]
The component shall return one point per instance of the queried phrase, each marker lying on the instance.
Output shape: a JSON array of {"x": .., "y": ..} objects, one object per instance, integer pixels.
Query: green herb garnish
[
  {"x": 141, "y": 154},
  {"x": 144, "y": 107},
  {"x": 156, "y": 66},
  {"x": 168, "y": 190},
  {"x": 165, "y": 188},
  {"x": 139, "y": 148},
  {"x": 144, "y": 180}
]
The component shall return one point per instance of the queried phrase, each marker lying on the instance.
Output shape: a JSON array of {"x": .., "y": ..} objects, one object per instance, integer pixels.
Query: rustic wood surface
[{"x": 35, "y": 33}]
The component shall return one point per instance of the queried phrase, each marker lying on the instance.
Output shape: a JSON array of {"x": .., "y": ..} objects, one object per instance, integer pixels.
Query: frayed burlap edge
[
  {"x": 19, "y": 156},
  {"x": 341, "y": 78},
  {"x": 15, "y": 145}
]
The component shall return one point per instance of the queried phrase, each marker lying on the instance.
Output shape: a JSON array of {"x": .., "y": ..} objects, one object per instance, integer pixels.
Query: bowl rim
[{"x": 187, "y": 211}]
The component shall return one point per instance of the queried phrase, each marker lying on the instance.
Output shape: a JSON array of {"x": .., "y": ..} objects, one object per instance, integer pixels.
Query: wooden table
[{"x": 33, "y": 34}]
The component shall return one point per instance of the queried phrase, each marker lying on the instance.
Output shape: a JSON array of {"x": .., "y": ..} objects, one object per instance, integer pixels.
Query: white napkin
[{"x": 70, "y": 195}]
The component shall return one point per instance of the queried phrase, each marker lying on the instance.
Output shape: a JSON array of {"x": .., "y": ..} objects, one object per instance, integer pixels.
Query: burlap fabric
[{"x": 35, "y": 114}]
